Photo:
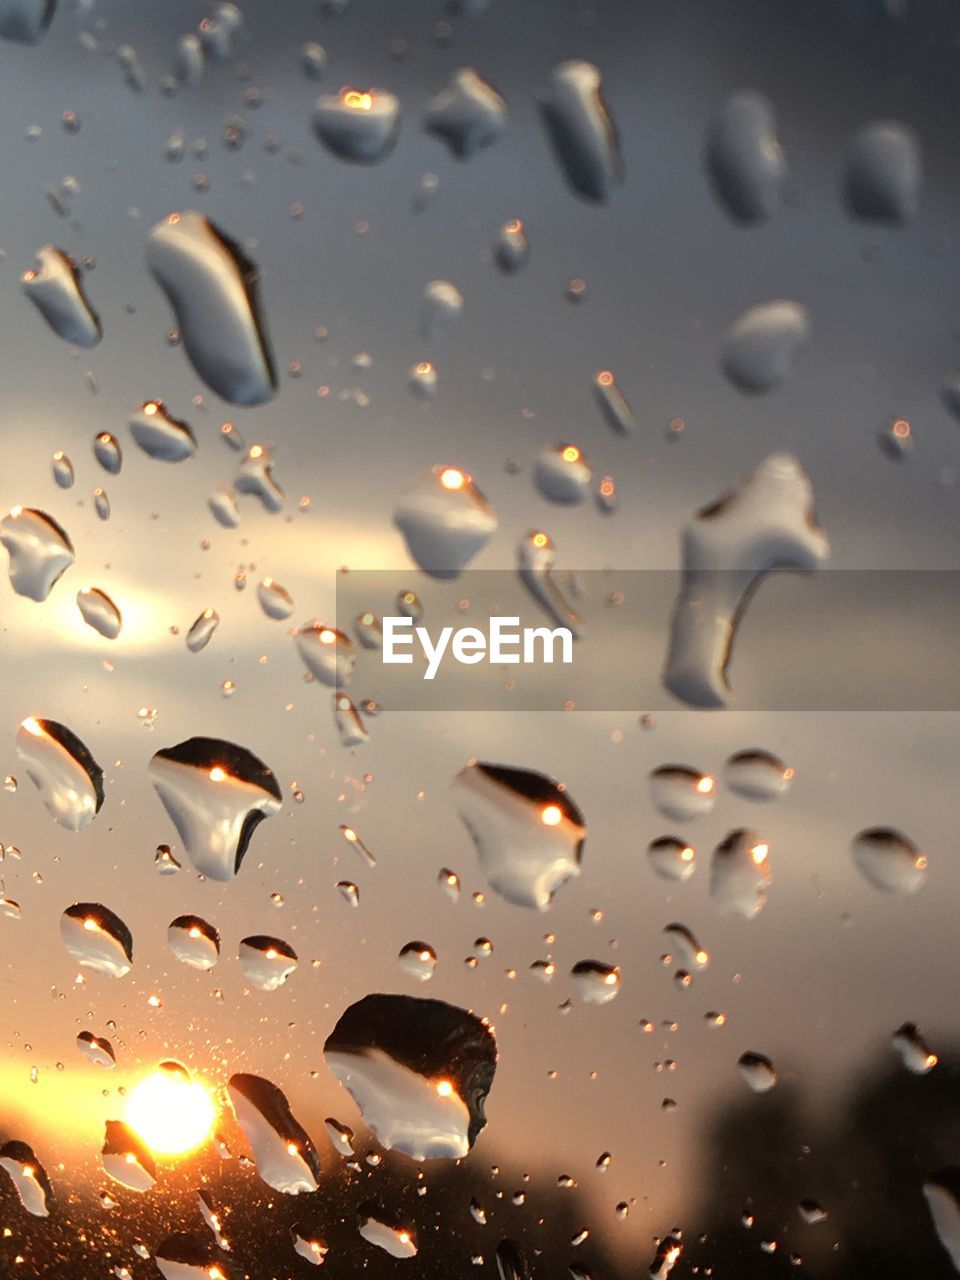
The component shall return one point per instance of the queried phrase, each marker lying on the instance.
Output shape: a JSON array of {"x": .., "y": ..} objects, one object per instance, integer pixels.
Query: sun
[{"x": 170, "y": 1112}]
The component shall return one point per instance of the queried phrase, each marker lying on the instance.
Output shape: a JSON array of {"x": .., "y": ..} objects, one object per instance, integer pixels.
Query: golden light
[
  {"x": 327, "y": 636},
  {"x": 451, "y": 478},
  {"x": 30, "y": 724},
  {"x": 931, "y": 1060},
  {"x": 349, "y": 834},
  {"x": 357, "y": 101},
  {"x": 921, "y": 863},
  {"x": 256, "y": 451},
  {"x": 343, "y": 703},
  {"x": 901, "y": 428},
  {"x": 571, "y": 453},
  {"x": 90, "y": 925},
  {"x": 150, "y": 408},
  {"x": 687, "y": 854},
  {"x": 705, "y": 786},
  {"x": 605, "y": 378},
  {"x": 759, "y": 853},
  {"x": 170, "y": 1112},
  {"x": 540, "y": 539},
  {"x": 703, "y": 957},
  {"x": 217, "y": 774},
  {"x": 551, "y": 815},
  {"x": 513, "y": 227},
  {"x": 612, "y": 978}
]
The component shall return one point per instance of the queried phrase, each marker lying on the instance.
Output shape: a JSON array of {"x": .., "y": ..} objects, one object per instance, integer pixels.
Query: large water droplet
[
  {"x": 766, "y": 522},
  {"x": 267, "y": 962},
  {"x": 562, "y": 474},
  {"x": 275, "y": 600},
  {"x": 740, "y": 873},
  {"x": 217, "y": 794},
  {"x": 213, "y": 289},
  {"x": 884, "y": 173},
  {"x": 383, "y": 1229},
  {"x": 527, "y": 831},
  {"x": 26, "y": 1173},
  {"x": 62, "y": 769},
  {"x": 757, "y": 775},
  {"x": 582, "y": 131},
  {"x": 56, "y": 290},
  {"x": 285, "y": 1157},
  {"x": 99, "y": 612},
  {"x": 360, "y": 125},
  {"x": 97, "y": 938},
  {"x": 757, "y": 1071},
  {"x": 467, "y": 115},
  {"x": 161, "y": 436},
  {"x": 743, "y": 157},
  {"x": 595, "y": 982},
  {"x": 419, "y": 1070},
  {"x": 329, "y": 655},
  {"x": 194, "y": 941},
  {"x": 445, "y": 521},
  {"x": 672, "y": 858},
  {"x": 25, "y": 20},
  {"x": 682, "y": 793},
  {"x": 191, "y": 1257},
  {"x": 889, "y": 861},
  {"x": 40, "y": 551},
  {"x": 760, "y": 347}
]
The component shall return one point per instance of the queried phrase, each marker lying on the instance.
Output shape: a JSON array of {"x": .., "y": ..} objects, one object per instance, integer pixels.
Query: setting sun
[{"x": 170, "y": 1112}]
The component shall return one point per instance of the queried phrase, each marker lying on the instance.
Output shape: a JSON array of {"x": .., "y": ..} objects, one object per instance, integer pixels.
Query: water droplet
[
  {"x": 526, "y": 829},
  {"x": 285, "y": 1157},
  {"x": 511, "y": 1261},
  {"x": 107, "y": 451},
  {"x": 467, "y": 115},
  {"x": 896, "y": 439},
  {"x": 329, "y": 655},
  {"x": 194, "y": 942},
  {"x": 666, "y": 1258},
  {"x": 96, "y": 1049},
  {"x": 740, "y": 873},
  {"x": 40, "y": 551},
  {"x": 680, "y": 938},
  {"x": 275, "y": 600},
  {"x": 26, "y": 1173},
  {"x": 97, "y": 939},
  {"x": 562, "y": 474},
  {"x": 760, "y": 346},
  {"x": 511, "y": 248},
  {"x": 418, "y": 959},
  {"x": 357, "y": 125},
  {"x": 757, "y": 1071},
  {"x": 445, "y": 521},
  {"x": 340, "y": 1135},
  {"x": 889, "y": 861},
  {"x": 101, "y": 504},
  {"x": 536, "y": 559},
  {"x": 422, "y": 379},
  {"x": 613, "y": 403},
  {"x": 223, "y": 507},
  {"x": 62, "y": 769},
  {"x": 202, "y": 629},
  {"x": 757, "y": 775},
  {"x": 254, "y": 475},
  {"x": 190, "y": 61},
  {"x": 25, "y": 20},
  {"x": 56, "y": 290},
  {"x": 381, "y": 1228},
  {"x": 582, "y": 131},
  {"x": 349, "y": 892},
  {"x": 595, "y": 982},
  {"x": 682, "y": 793},
  {"x": 913, "y": 1049},
  {"x": 216, "y": 794},
  {"x": 307, "y": 1245},
  {"x": 884, "y": 173},
  {"x": 350, "y": 726},
  {"x": 767, "y": 521},
  {"x": 213, "y": 289},
  {"x": 99, "y": 612},
  {"x": 744, "y": 161},
  {"x": 419, "y": 1070},
  {"x": 351, "y": 837},
  {"x": 672, "y": 858},
  {"x": 442, "y": 304},
  {"x": 267, "y": 962},
  {"x": 449, "y": 882},
  {"x": 62, "y": 469},
  {"x": 313, "y": 60},
  {"x": 161, "y": 436}
]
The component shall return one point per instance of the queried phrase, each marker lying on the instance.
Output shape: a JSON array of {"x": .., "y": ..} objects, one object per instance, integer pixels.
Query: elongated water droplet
[
  {"x": 190, "y": 60},
  {"x": 449, "y": 882},
  {"x": 527, "y": 831},
  {"x": 223, "y": 507},
  {"x": 511, "y": 1261},
  {"x": 672, "y": 858},
  {"x": 194, "y": 941},
  {"x": 62, "y": 769},
  {"x": 307, "y": 1244},
  {"x": 884, "y": 173},
  {"x": 349, "y": 892},
  {"x": 254, "y": 475},
  {"x": 562, "y": 474},
  {"x": 96, "y": 1049},
  {"x": 682, "y": 793},
  {"x": 666, "y": 1258},
  {"x": 275, "y": 600},
  {"x": 40, "y": 551},
  {"x": 422, "y": 379},
  {"x": 467, "y": 115},
  {"x": 213, "y": 289},
  {"x": 582, "y": 131},
  {"x": 767, "y": 521},
  {"x": 267, "y": 962},
  {"x": 757, "y": 775},
  {"x": 97, "y": 939},
  {"x": 511, "y": 248},
  {"x": 442, "y": 304},
  {"x": 613, "y": 403},
  {"x": 216, "y": 794},
  {"x": 26, "y": 1173},
  {"x": 744, "y": 161},
  {"x": 340, "y": 1135},
  {"x": 383, "y": 1229},
  {"x": 56, "y": 290},
  {"x": 740, "y": 873},
  {"x": 107, "y": 451},
  {"x": 62, "y": 469},
  {"x": 99, "y": 612},
  {"x": 914, "y": 1052},
  {"x": 313, "y": 60},
  {"x": 351, "y": 837},
  {"x": 126, "y": 1158},
  {"x": 760, "y": 347},
  {"x": 595, "y": 982},
  {"x": 101, "y": 504},
  {"x": 160, "y": 435},
  {"x": 682, "y": 940},
  {"x": 418, "y": 959},
  {"x": 368, "y": 628},
  {"x": 889, "y": 861},
  {"x": 757, "y": 1071},
  {"x": 350, "y": 727},
  {"x": 285, "y": 1157},
  {"x": 536, "y": 559},
  {"x": 202, "y": 629},
  {"x": 942, "y": 1193},
  {"x": 329, "y": 655},
  {"x": 445, "y": 521},
  {"x": 360, "y": 125},
  {"x": 25, "y": 20},
  {"x": 419, "y": 1070}
]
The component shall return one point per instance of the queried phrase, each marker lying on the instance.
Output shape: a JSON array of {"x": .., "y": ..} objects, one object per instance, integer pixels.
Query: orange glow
[
  {"x": 540, "y": 539},
  {"x": 605, "y": 378},
  {"x": 30, "y": 724},
  {"x": 217, "y": 774},
  {"x": 451, "y": 478},
  {"x": 357, "y": 101},
  {"x": 90, "y": 925},
  {"x": 151, "y": 408},
  {"x": 256, "y": 451},
  {"x": 901, "y": 428},
  {"x": 327, "y": 636},
  {"x": 759, "y": 853},
  {"x": 571, "y": 453},
  {"x": 705, "y": 786},
  {"x": 687, "y": 854},
  {"x": 170, "y": 1112},
  {"x": 551, "y": 815},
  {"x": 444, "y": 1088}
]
